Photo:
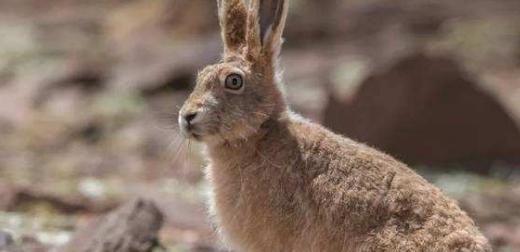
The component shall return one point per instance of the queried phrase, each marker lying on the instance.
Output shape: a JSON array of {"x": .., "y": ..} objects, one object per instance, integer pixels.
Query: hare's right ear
[
  {"x": 265, "y": 27},
  {"x": 233, "y": 21}
]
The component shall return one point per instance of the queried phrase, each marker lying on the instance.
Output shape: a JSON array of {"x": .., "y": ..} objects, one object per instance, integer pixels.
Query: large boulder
[{"x": 426, "y": 110}]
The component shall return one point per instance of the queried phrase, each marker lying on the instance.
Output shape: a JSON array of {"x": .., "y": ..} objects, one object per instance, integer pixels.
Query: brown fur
[{"x": 282, "y": 183}]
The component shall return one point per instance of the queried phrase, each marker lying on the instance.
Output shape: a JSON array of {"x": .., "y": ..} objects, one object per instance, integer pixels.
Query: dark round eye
[{"x": 234, "y": 82}]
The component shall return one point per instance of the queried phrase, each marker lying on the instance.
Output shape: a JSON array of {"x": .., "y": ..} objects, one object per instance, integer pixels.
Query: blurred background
[{"x": 90, "y": 89}]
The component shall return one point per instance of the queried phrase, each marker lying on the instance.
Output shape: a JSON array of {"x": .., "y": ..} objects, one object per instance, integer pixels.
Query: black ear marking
[
  {"x": 267, "y": 13},
  {"x": 266, "y": 22},
  {"x": 279, "y": 13},
  {"x": 271, "y": 14}
]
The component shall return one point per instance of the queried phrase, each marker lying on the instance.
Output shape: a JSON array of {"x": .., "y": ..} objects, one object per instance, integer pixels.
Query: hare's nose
[
  {"x": 189, "y": 117},
  {"x": 186, "y": 120}
]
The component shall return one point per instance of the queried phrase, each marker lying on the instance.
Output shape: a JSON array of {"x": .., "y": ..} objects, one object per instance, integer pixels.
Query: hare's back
[{"x": 370, "y": 193}]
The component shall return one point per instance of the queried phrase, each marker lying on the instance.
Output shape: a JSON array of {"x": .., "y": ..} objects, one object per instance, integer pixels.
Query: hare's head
[{"x": 233, "y": 98}]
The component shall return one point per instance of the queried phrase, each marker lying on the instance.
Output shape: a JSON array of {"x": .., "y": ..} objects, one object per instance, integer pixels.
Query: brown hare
[{"x": 282, "y": 183}]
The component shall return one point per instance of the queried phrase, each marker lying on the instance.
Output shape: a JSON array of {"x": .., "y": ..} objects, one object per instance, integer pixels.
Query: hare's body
[
  {"x": 299, "y": 187},
  {"x": 283, "y": 184}
]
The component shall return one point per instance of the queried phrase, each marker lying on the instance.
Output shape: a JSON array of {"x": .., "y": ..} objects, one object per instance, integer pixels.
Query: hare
[{"x": 282, "y": 183}]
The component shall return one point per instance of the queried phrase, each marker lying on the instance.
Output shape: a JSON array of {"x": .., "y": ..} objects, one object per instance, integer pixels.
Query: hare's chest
[{"x": 249, "y": 208}]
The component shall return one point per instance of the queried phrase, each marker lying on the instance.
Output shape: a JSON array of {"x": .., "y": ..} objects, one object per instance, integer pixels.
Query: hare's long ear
[
  {"x": 233, "y": 22},
  {"x": 265, "y": 26}
]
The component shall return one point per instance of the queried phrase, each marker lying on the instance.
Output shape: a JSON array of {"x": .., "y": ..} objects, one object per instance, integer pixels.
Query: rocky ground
[{"x": 89, "y": 92}]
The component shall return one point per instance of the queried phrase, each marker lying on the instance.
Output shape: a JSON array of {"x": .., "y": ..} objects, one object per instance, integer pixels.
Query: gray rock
[
  {"x": 6, "y": 240},
  {"x": 133, "y": 227}
]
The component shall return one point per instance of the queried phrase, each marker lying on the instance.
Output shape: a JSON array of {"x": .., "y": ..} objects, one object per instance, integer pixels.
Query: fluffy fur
[{"x": 282, "y": 183}]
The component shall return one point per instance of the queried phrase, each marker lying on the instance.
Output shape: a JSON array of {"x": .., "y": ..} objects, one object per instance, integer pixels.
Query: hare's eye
[{"x": 234, "y": 82}]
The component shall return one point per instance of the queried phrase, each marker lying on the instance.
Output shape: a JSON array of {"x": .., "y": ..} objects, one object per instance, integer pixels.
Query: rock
[
  {"x": 6, "y": 240},
  {"x": 132, "y": 228},
  {"x": 425, "y": 110}
]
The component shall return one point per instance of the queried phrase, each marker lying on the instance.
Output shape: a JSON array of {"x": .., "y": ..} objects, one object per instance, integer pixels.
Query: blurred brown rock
[
  {"x": 132, "y": 228},
  {"x": 426, "y": 110}
]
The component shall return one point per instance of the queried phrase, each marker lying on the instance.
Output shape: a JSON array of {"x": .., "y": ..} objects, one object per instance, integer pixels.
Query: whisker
[
  {"x": 178, "y": 151},
  {"x": 187, "y": 162},
  {"x": 188, "y": 153}
]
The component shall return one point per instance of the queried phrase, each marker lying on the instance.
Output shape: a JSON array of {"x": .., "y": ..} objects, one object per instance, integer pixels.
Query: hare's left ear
[
  {"x": 233, "y": 22},
  {"x": 266, "y": 23}
]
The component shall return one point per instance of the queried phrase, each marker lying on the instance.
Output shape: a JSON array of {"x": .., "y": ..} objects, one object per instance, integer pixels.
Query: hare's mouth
[
  {"x": 196, "y": 136},
  {"x": 192, "y": 133}
]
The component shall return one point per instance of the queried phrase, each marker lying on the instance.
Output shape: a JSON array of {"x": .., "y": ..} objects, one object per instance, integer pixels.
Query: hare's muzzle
[{"x": 186, "y": 123}]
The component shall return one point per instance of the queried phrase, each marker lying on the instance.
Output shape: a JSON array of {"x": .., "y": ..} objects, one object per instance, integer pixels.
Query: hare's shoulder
[
  {"x": 338, "y": 152},
  {"x": 355, "y": 179}
]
